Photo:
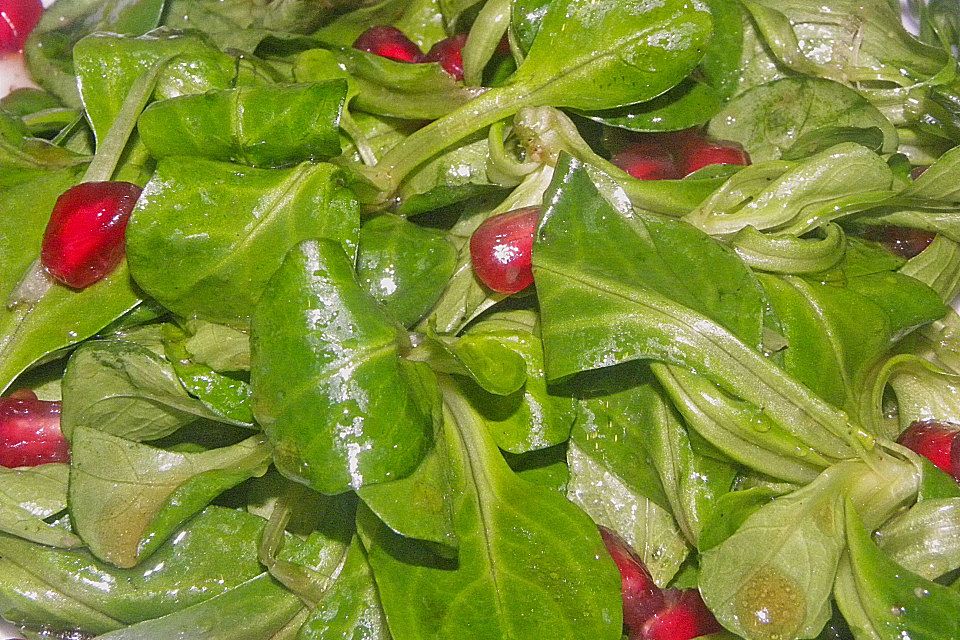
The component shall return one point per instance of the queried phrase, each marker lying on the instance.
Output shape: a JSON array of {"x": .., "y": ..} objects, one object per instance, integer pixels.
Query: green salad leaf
[{"x": 329, "y": 386}]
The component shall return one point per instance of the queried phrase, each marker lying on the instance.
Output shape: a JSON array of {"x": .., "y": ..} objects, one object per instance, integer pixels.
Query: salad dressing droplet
[{"x": 770, "y": 606}]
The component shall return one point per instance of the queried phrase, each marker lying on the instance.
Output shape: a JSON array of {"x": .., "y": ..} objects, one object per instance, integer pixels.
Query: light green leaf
[
  {"x": 768, "y": 119},
  {"x": 219, "y": 347},
  {"x": 925, "y": 539},
  {"x": 773, "y": 577},
  {"x": 647, "y": 527},
  {"x": 214, "y": 553},
  {"x": 126, "y": 389},
  {"x": 845, "y": 179},
  {"x": 127, "y": 498},
  {"x": 29, "y": 496},
  {"x": 62, "y": 317}
]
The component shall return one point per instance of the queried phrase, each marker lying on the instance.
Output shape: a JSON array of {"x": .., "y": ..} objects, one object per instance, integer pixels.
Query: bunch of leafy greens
[{"x": 295, "y": 413}]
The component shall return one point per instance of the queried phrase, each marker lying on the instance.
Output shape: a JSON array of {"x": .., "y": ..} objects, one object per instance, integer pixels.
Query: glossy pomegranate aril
[
  {"x": 388, "y": 42},
  {"x": 449, "y": 53},
  {"x": 648, "y": 160},
  {"x": 30, "y": 432},
  {"x": 697, "y": 154},
  {"x": 501, "y": 249},
  {"x": 17, "y": 20},
  {"x": 933, "y": 440},
  {"x": 84, "y": 240},
  {"x": 683, "y": 617},
  {"x": 642, "y": 597},
  {"x": 903, "y": 241}
]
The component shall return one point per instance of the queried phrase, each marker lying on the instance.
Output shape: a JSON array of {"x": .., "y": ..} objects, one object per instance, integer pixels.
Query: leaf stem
[{"x": 422, "y": 145}]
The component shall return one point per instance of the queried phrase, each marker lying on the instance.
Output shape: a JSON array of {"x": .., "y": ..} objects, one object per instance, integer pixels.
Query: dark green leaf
[
  {"x": 244, "y": 24},
  {"x": 27, "y": 100},
  {"x": 532, "y": 417},
  {"x": 613, "y": 479},
  {"x": 271, "y": 125},
  {"x": 530, "y": 563},
  {"x": 49, "y": 51},
  {"x": 874, "y": 589},
  {"x": 693, "y": 101},
  {"x": 482, "y": 359},
  {"x": 544, "y": 467},
  {"x": 612, "y": 289},
  {"x": 329, "y": 386},
  {"x": 24, "y": 158},
  {"x": 109, "y": 64},
  {"x": 404, "y": 266},
  {"x": 418, "y": 506},
  {"x": 729, "y": 514},
  {"x": 350, "y": 607},
  {"x": 216, "y": 265},
  {"x": 526, "y": 17},
  {"x": 835, "y": 332},
  {"x": 612, "y": 442},
  {"x": 689, "y": 104}
]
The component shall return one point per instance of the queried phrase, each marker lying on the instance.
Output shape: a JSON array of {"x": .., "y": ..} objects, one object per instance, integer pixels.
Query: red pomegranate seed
[
  {"x": 388, "y": 42},
  {"x": 648, "y": 160},
  {"x": 903, "y": 241},
  {"x": 700, "y": 153},
  {"x": 84, "y": 240},
  {"x": 501, "y": 249},
  {"x": 955, "y": 458},
  {"x": 933, "y": 440},
  {"x": 642, "y": 598},
  {"x": 17, "y": 20},
  {"x": 30, "y": 432},
  {"x": 683, "y": 617},
  {"x": 449, "y": 53}
]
